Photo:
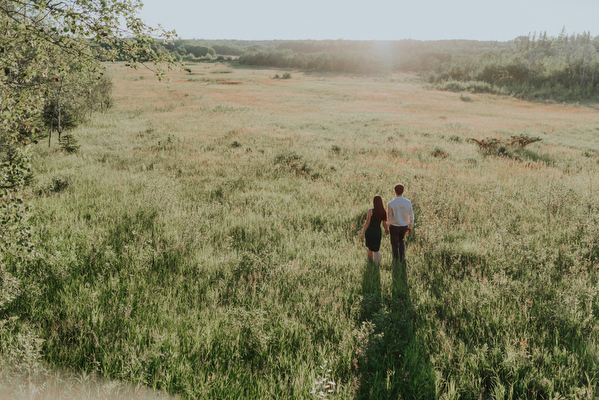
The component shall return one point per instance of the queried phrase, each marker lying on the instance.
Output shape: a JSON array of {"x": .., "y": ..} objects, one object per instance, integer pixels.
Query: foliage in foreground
[{"x": 50, "y": 77}]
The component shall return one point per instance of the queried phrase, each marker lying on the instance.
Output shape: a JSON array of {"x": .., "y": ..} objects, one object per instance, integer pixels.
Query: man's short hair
[{"x": 399, "y": 189}]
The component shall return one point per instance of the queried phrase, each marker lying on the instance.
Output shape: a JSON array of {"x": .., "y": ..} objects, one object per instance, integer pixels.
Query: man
[{"x": 400, "y": 218}]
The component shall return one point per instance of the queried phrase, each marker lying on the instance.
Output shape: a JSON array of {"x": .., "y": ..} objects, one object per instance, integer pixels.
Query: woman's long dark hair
[{"x": 379, "y": 212}]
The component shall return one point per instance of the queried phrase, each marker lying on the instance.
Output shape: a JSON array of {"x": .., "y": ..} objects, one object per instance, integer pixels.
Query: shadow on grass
[{"x": 392, "y": 359}]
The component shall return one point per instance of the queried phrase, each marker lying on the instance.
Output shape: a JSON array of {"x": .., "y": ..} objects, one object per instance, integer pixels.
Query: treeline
[
  {"x": 563, "y": 68},
  {"x": 337, "y": 55},
  {"x": 363, "y": 56},
  {"x": 202, "y": 50},
  {"x": 329, "y": 55}
]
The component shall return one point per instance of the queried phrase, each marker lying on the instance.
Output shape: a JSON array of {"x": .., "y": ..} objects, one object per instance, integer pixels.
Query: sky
[{"x": 499, "y": 20}]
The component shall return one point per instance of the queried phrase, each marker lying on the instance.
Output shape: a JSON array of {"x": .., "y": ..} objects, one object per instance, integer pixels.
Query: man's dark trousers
[{"x": 398, "y": 247}]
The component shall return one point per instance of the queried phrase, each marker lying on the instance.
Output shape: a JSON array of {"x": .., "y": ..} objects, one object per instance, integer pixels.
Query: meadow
[{"x": 204, "y": 240}]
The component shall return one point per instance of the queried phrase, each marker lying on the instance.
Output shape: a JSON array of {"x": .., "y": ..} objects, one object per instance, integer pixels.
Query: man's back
[{"x": 400, "y": 212}]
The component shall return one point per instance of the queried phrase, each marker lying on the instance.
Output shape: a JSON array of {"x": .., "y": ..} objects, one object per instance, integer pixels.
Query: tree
[
  {"x": 72, "y": 98},
  {"x": 42, "y": 41}
]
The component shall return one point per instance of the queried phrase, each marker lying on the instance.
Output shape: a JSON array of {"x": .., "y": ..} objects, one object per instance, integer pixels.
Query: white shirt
[{"x": 400, "y": 213}]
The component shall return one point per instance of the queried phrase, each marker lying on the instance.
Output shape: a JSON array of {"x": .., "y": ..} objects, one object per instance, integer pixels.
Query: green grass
[{"x": 207, "y": 245}]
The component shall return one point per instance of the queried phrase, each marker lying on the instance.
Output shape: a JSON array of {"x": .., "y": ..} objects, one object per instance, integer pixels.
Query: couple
[{"x": 397, "y": 221}]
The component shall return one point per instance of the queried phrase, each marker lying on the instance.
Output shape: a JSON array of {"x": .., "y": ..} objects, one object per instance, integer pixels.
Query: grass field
[{"x": 205, "y": 241}]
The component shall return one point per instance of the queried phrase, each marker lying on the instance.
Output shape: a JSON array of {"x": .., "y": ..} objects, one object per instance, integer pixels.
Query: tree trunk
[{"x": 58, "y": 105}]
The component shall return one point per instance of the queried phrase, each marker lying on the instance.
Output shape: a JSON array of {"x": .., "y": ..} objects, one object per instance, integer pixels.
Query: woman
[{"x": 372, "y": 228}]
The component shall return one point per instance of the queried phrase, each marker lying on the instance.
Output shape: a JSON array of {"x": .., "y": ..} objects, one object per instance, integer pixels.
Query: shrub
[
  {"x": 57, "y": 184},
  {"x": 511, "y": 148},
  {"x": 439, "y": 153},
  {"x": 465, "y": 98},
  {"x": 469, "y": 86},
  {"x": 297, "y": 164},
  {"x": 60, "y": 183},
  {"x": 523, "y": 140},
  {"x": 69, "y": 144},
  {"x": 294, "y": 162}
]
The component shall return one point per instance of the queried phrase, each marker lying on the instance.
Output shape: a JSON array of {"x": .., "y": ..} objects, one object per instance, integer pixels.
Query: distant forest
[{"x": 536, "y": 67}]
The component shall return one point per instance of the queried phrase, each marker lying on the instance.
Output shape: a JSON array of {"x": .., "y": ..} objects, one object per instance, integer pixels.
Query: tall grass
[{"x": 206, "y": 243}]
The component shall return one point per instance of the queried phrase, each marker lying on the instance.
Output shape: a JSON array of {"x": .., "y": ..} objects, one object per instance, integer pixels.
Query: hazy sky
[{"x": 500, "y": 20}]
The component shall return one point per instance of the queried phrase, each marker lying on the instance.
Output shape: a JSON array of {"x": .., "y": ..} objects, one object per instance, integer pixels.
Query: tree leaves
[{"x": 41, "y": 40}]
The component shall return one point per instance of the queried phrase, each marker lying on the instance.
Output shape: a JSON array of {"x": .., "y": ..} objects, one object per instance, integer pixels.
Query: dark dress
[{"x": 373, "y": 235}]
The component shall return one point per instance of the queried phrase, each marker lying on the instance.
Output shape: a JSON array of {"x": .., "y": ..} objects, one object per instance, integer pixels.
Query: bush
[
  {"x": 286, "y": 75},
  {"x": 469, "y": 86},
  {"x": 60, "y": 183},
  {"x": 294, "y": 162},
  {"x": 56, "y": 185},
  {"x": 439, "y": 153},
  {"x": 511, "y": 148},
  {"x": 69, "y": 144}
]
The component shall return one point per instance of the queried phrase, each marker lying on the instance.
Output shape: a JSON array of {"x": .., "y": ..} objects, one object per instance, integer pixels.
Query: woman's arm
[
  {"x": 367, "y": 223},
  {"x": 386, "y": 226},
  {"x": 389, "y": 215}
]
